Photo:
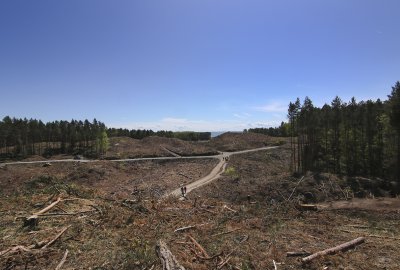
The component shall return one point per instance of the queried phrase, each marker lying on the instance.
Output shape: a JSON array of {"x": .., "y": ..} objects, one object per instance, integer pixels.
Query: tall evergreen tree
[{"x": 394, "y": 114}]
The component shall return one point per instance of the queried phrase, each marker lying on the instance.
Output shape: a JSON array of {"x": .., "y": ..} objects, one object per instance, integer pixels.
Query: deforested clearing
[{"x": 112, "y": 214}]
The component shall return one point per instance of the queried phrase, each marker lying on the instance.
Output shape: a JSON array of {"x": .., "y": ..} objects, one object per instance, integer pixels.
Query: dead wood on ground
[
  {"x": 33, "y": 219},
  {"x": 168, "y": 260},
  {"x": 334, "y": 250},
  {"x": 62, "y": 260},
  {"x": 55, "y": 238}
]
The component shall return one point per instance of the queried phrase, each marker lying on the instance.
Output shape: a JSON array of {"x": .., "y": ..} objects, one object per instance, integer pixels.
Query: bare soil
[
  {"x": 231, "y": 141},
  {"x": 248, "y": 218},
  {"x": 117, "y": 180},
  {"x": 153, "y": 146}
]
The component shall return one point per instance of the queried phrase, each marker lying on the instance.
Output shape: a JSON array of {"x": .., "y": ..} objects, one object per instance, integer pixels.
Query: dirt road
[
  {"x": 112, "y": 160},
  {"x": 220, "y": 156},
  {"x": 215, "y": 173}
]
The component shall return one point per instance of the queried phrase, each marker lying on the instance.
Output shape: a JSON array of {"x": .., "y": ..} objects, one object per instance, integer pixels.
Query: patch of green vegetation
[{"x": 231, "y": 171}]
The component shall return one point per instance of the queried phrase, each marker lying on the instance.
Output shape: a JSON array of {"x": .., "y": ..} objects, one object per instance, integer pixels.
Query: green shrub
[{"x": 231, "y": 171}]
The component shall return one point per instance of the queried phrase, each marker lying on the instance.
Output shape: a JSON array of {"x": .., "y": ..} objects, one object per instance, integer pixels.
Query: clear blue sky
[{"x": 192, "y": 64}]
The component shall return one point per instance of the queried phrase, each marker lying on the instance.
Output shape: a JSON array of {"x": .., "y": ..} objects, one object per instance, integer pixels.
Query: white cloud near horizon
[
  {"x": 183, "y": 124},
  {"x": 272, "y": 107},
  {"x": 242, "y": 115}
]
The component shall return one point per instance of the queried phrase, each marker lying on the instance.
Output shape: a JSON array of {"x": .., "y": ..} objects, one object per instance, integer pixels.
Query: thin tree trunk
[{"x": 398, "y": 158}]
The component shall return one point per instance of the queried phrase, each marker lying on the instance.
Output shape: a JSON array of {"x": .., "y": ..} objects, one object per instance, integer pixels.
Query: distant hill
[{"x": 217, "y": 133}]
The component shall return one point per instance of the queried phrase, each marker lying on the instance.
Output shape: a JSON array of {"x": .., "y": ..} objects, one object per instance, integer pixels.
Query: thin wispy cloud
[
  {"x": 264, "y": 124},
  {"x": 242, "y": 115},
  {"x": 183, "y": 124},
  {"x": 272, "y": 107},
  {"x": 174, "y": 120}
]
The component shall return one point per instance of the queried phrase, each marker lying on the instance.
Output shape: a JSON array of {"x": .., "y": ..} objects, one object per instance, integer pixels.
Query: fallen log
[
  {"x": 342, "y": 247},
  {"x": 168, "y": 260}
]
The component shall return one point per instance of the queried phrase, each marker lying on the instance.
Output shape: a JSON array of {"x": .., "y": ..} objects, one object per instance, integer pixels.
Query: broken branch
[
  {"x": 224, "y": 262},
  {"x": 55, "y": 239},
  {"x": 275, "y": 267},
  {"x": 185, "y": 228},
  {"x": 334, "y": 250},
  {"x": 230, "y": 209},
  {"x": 203, "y": 251},
  {"x": 62, "y": 260}
]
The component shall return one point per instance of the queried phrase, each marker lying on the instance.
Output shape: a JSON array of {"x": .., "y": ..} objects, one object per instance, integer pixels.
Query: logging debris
[
  {"x": 64, "y": 258},
  {"x": 329, "y": 251},
  {"x": 32, "y": 220},
  {"x": 185, "y": 228},
  {"x": 168, "y": 260}
]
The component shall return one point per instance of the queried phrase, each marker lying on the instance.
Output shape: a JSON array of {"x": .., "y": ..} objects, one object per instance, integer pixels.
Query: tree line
[
  {"x": 142, "y": 133},
  {"x": 23, "y": 137},
  {"x": 353, "y": 138},
  {"x": 20, "y": 138},
  {"x": 282, "y": 131}
]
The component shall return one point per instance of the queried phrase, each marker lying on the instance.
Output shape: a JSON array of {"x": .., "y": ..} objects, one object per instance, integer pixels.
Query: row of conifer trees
[
  {"x": 24, "y": 137},
  {"x": 354, "y": 138}
]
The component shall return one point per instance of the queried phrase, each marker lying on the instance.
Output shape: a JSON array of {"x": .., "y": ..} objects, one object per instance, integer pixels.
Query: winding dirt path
[{"x": 215, "y": 173}]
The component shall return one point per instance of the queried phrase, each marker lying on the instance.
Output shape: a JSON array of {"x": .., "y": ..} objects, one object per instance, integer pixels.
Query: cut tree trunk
[
  {"x": 168, "y": 260},
  {"x": 32, "y": 220},
  {"x": 342, "y": 247}
]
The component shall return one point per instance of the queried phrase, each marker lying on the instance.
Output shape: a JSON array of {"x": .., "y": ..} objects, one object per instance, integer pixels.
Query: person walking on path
[{"x": 183, "y": 191}]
